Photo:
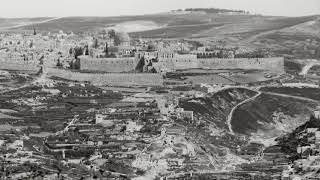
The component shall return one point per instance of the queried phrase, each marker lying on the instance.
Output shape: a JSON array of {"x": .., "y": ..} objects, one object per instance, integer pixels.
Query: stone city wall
[
  {"x": 18, "y": 64},
  {"x": 87, "y": 63},
  {"x": 179, "y": 62},
  {"x": 110, "y": 79},
  {"x": 271, "y": 64}
]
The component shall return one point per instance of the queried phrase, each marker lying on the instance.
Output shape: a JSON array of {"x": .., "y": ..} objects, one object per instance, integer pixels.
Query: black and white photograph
[{"x": 160, "y": 89}]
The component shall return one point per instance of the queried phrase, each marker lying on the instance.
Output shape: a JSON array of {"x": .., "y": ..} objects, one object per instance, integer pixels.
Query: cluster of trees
[
  {"x": 113, "y": 35},
  {"x": 78, "y": 51}
]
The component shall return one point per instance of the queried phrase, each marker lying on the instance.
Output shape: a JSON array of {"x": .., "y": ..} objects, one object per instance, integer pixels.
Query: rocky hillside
[
  {"x": 215, "y": 109},
  {"x": 272, "y": 115}
]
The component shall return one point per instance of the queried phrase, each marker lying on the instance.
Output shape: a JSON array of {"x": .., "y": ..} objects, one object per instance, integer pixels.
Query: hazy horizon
[{"x": 103, "y": 8}]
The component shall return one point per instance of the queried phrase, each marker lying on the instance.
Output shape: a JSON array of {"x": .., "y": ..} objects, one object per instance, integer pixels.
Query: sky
[{"x": 62, "y": 8}]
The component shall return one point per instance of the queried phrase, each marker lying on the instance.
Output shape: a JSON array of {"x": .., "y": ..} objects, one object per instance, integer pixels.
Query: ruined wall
[
  {"x": 110, "y": 79},
  {"x": 107, "y": 64}
]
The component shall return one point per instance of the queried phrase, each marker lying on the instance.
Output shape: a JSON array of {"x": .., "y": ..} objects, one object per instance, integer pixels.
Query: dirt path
[{"x": 229, "y": 119}]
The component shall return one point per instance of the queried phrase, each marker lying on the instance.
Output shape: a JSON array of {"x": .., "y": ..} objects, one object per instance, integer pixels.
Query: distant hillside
[
  {"x": 292, "y": 37},
  {"x": 14, "y": 22}
]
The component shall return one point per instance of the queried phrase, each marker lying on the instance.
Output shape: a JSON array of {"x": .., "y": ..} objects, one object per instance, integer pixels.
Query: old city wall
[
  {"x": 18, "y": 64},
  {"x": 108, "y": 64},
  {"x": 110, "y": 79},
  {"x": 179, "y": 62},
  {"x": 271, "y": 64}
]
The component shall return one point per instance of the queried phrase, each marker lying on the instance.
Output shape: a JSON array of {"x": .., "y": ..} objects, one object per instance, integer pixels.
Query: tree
[
  {"x": 117, "y": 40},
  {"x": 103, "y": 32},
  {"x": 86, "y": 50},
  {"x": 95, "y": 43},
  {"x": 59, "y": 64},
  {"x": 106, "y": 50},
  {"x": 78, "y": 52},
  {"x": 31, "y": 44},
  {"x": 151, "y": 47},
  {"x": 112, "y": 33}
]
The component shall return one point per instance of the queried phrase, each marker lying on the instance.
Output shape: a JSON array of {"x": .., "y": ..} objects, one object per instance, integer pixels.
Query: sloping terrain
[
  {"x": 214, "y": 110},
  {"x": 262, "y": 117},
  {"x": 298, "y": 41},
  {"x": 306, "y": 92},
  {"x": 272, "y": 113},
  {"x": 238, "y": 25},
  {"x": 81, "y": 24},
  {"x": 285, "y": 36},
  {"x": 6, "y": 23},
  {"x": 311, "y": 27}
]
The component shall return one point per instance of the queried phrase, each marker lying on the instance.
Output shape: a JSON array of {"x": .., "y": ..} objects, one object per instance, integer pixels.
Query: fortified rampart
[
  {"x": 18, "y": 64},
  {"x": 86, "y": 63},
  {"x": 172, "y": 61},
  {"x": 110, "y": 79},
  {"x": 178, "y": 62},
  {"x": 191, "y": 62},
  {"x": 271, "y": 64}
]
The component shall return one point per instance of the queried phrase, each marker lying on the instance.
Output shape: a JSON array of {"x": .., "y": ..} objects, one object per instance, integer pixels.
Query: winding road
[
  {"x": 308, "y": 66},
  {"x": 229, "y": 119}
]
